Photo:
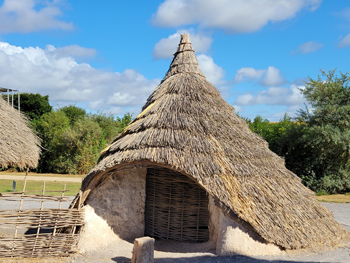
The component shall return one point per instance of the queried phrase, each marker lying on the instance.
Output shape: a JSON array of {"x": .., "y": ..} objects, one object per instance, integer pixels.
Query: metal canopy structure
[{"x": 2, "y": 90}]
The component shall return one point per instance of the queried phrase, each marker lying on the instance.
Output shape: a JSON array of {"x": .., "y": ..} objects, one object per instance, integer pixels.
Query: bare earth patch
[
  {"x": 120, "y": 250},
  {"x": 170, "y": 251}
]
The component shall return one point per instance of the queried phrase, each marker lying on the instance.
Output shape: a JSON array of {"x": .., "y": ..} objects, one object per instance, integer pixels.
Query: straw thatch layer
[
  {"x": 186, "y": 126},
  {"x": 19, "y": 146}
]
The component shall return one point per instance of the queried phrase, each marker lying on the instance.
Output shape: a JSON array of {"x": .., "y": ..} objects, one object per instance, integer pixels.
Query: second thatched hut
[
  {"x": 189, "y": 169},
  {"x": 19, "y": 146}
]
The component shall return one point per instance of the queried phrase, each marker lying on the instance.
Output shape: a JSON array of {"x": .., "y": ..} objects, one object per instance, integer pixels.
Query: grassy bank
[
  {"x": 6, "y": 186},
  {"x": 340, "y": 198}
]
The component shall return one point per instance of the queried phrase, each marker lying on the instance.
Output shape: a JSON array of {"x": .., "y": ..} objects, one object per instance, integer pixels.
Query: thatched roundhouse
[
  {"x": 189, "y": 169},
  {"x": 19, "y": 146}
]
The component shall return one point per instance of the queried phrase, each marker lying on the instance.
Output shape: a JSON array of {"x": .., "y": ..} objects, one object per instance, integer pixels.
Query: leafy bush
[
  {"x": 73, "y": 113},
  {"x": 328, "y": 128},
  {"x": 50, "y": 128},
  {"x": 82, "y": 143},
  {"x": 72, "y": 139}
]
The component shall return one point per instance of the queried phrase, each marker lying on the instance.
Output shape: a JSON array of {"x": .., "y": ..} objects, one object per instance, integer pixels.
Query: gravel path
[
  {"x": 31, "y": 204},
  {"x": 120, "y": 251}
]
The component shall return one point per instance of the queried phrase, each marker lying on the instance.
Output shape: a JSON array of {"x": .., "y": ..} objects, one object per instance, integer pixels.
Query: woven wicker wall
[{"x": 176, "y": 207}]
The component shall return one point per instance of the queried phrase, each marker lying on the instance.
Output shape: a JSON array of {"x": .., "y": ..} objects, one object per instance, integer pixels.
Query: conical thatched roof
[
  {"x": 18, "y": 144},
  {"x": 186, "y": 126}
]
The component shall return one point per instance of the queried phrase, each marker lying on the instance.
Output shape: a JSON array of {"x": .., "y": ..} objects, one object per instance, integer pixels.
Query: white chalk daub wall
[
  {"x": 116, "y": 210},
  {"x": 231, "y": 238}
]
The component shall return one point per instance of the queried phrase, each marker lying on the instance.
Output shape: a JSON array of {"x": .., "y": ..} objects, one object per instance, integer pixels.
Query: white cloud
[
  {"x": 273, "y": 96},
  {"x": 266, "y": 77},
  {"x": 345, "y": 13},
  {"x": 247, "y": 74},
  {"x": 291, "y": 111},
  {"x": 245, "y": 99},
  {"x": 279, "y": 115},
  {"x": 308, "y": 47},
  {"x": 273, "y": 77},
  {"x": 29, "y": 16},
  {"x": 166, "y": 47},
  {"x": 67, "y": 81},
  {"x": 72, "y": 50},
  {"x": 211, "y": 71},
  {"x": 345, "y": 42},
  {"x": 234, "y": 16},
  {"x": 238, "y": 109}
]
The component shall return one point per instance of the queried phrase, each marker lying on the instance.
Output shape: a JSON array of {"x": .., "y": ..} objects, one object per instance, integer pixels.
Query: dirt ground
[{"x": 170, "y": 252}]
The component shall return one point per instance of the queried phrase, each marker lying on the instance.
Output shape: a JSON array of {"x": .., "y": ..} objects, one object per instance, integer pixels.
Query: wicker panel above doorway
[{"x": 176, "y": 207}]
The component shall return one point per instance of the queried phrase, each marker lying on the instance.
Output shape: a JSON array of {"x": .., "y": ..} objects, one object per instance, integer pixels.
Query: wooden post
[
  {"x": 19, "y": 211},
  {"x": 39, "y": 226},
  {"x": 143, "y": 251}
]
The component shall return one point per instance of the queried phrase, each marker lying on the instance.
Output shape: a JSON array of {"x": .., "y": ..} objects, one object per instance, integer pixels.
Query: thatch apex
[
  {"x": 188, "y": 127},
  {"x": 185, "y": 60},
  {"x": 19, "y": 146}
]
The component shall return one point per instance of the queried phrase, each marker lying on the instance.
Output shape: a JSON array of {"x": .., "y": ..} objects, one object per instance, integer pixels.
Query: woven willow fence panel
[
  {"x": 32, "y": 233},
  {"x": 176, "y": 207}
]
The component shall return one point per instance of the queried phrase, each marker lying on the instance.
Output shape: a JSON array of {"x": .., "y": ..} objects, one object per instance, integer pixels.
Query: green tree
[
  {"x": 74, "y": 113},
  {"x": 33, "y": 105},
  {"x": 300, "y": 156},
  {"x": 286, "y": 138},
  {"x": 109, "y": 126},
  {"x": 328, "y": 124},
  {"x": 82, "y": 143},
  {"x": 272, "y": 132},
  {"x": 50, "y": 128},
  {"x": 261, "y": 126},
  {"x": 123, "y": 122},
  {"x": 73, "y": 140}
]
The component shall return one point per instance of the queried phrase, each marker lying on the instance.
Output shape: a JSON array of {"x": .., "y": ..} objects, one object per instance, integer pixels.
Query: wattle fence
[{"x": 39, "y": 232}]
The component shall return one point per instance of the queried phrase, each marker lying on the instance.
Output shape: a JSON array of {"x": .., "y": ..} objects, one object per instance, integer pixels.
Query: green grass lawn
[{"x": 6, "y": 186}]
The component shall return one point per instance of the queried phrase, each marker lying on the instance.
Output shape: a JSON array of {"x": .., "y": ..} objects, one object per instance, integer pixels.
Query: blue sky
[{"x": 110, "y": 55}]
